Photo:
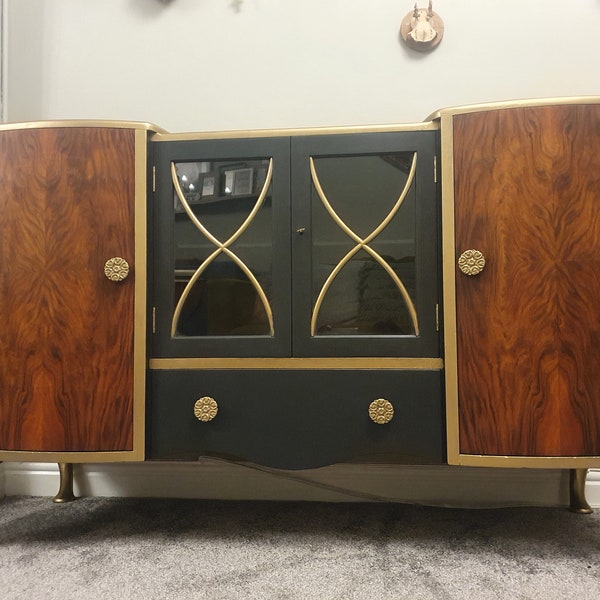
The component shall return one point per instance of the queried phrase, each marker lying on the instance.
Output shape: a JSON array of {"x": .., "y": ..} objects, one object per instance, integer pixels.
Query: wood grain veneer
[
  {"x": 527, "y": 194},
  {"x": 66, "y": 362}
]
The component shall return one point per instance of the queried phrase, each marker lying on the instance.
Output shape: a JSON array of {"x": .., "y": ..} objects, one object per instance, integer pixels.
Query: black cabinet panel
[
  {"x": 339, "y": 257},
  {"x": 302, "y": 246},
  {"x": 366, "y": 264},
  {"x": 221, "y": 251},
  {"x": 297, "y": 419}
]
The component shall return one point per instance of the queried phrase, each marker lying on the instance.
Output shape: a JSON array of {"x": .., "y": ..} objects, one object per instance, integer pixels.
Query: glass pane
[
  {"x": 223, "y": 248},
  {"x": 363, "y": 279}
]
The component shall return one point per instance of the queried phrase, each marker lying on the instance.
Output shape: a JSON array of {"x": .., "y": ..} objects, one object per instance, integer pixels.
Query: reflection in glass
[
  {"x": 223, "y": 248},
  {"x": 363, "y": 216}
]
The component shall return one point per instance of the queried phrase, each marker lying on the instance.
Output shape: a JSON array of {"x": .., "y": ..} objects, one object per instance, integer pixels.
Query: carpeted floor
[{"x": 177, "y": 549}]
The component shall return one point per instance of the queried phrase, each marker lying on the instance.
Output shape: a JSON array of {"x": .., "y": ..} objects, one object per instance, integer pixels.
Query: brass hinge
[
  {"x": 435, "y": 177},
  {"x": 153, "y": 178},
  {"x": 154, "y": 319},
  {"x": 437, "y": 317}
]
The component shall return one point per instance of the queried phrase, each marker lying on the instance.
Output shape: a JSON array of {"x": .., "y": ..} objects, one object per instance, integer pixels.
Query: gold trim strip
[
  {"x": 529, "y": 462},
  {"x": 449, "y": 288},
  {"x": 363, "y": 245},
  {"x": 140, "y": 284},
  {"x": 150, "y": 127},
  {"x": 523, "y": 103},
  {"x": 222, "y": 247},
  {"x": 351, "y": 363},
  {"x": 71, "y": 457},
  {"x": 266, "y": 133}
]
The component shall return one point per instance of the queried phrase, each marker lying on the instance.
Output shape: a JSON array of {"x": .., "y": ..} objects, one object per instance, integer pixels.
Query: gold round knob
[
  {"x": 471, "y": 262},
  {"x": 206, "y": 409},
  {"x": 116, "y": 269},
  {"x": 381, "y": 411}
]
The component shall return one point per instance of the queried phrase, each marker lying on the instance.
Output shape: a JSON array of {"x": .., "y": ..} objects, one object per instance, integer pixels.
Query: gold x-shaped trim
[
  {"x": 363, "y": 244},
  {"x": 222, "y": 247}
]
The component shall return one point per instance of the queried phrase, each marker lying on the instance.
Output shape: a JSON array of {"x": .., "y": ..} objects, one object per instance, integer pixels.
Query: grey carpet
[{"x": 146, "y": 548}]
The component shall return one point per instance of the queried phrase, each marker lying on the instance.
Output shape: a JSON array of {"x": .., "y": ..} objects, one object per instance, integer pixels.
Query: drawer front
[{"x": 297, "y": 419}]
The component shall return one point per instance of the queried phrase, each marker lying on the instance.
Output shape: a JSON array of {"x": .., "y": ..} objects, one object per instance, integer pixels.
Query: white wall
[{"x": 190, "y": 65}]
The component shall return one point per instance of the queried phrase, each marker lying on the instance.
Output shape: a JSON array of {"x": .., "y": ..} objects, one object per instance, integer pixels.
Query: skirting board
[{"x": 215, "y": 479}]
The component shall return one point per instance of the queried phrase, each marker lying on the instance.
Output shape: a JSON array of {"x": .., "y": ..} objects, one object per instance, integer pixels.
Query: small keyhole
[{"x": 300, "y": 230}]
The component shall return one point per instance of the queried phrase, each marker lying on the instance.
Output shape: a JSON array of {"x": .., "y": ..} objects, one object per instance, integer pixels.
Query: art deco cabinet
[
  {"x": 72, "y": 291},
  {"x": 416, "y": 294},
  {"x": 522, "y": 282}
]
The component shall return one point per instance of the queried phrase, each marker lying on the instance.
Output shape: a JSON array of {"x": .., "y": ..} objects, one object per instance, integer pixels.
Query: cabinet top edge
[
  {"x": 302, "y": 131},
  {"x": 81, "y": 123},
  {"x": 507, "y": 104}
]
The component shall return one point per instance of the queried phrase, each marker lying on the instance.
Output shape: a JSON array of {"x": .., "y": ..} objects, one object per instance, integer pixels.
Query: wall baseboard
[{"x": 216, "y": 479}]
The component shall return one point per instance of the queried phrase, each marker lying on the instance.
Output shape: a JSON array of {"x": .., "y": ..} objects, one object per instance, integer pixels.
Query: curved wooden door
[
  {"x": 66, "y": 363},
  {"x": 527, "y": 195}
]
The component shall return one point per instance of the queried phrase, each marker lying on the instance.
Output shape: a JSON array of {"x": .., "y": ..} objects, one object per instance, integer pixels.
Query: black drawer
[{"x": 297, "y": 419}]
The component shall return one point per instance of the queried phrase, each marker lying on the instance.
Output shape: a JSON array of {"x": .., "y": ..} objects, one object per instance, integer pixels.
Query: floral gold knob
[
  {"x": 381, "y": 411},
  {"x": 471, "y": 262},
  {"x": 116, "y": 269},
  {"x": 206, "y": 409}
]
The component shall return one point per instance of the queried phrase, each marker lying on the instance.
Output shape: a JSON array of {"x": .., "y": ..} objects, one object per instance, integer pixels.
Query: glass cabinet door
[
  {"x": 364, "y": 253},
  {"x": 222, "y": 255}
]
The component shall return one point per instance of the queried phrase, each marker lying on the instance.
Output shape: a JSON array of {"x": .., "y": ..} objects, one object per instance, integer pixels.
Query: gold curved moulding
[
  {"x": 363, "y": 244},
  {"x": 222, "y": 247}
]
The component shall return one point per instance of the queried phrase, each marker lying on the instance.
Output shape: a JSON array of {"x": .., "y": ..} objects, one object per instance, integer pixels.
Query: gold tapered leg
[
  {"x": 65, "y": 491},
  {"x": 577, "y": 492}
]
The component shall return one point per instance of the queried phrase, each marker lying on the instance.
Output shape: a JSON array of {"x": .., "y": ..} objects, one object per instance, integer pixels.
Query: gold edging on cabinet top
[
  {"x": 60, "y": 123},
  {"x": 506, "y": 104},
  {"x": 297, "y": 363},
  {"x": 265, "y": 133}
]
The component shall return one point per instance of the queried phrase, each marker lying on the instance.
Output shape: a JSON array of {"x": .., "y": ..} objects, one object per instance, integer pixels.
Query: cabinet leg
[
  {"x": 578, "y": 502},
  {"x": 65, "y": 491}
]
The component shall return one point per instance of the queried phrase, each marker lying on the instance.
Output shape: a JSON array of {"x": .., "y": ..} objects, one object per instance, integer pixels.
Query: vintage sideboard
[{"x": 409, "y": 294}]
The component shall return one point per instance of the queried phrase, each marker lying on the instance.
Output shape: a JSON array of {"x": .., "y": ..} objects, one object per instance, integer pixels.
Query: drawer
[{"x": 297, "y": 419}]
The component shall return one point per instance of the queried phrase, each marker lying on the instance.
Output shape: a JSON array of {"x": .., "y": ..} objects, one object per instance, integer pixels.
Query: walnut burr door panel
[
  {"x": 66, "y": 364},
  {"x": 527, "y": 195}
]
